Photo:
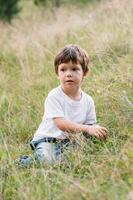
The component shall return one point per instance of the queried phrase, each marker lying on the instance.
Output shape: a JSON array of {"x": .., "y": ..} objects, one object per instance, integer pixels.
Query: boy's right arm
[{"x": 68, "y": 126}]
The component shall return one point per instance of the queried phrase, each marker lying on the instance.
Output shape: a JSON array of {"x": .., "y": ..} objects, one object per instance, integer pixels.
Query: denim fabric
[
  {"x": 47, "y": 152},
  {"x": 51, "y": 152}
]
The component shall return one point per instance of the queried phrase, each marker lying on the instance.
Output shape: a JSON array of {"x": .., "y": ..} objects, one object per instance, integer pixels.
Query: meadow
[{"x": 98, "y": 170}]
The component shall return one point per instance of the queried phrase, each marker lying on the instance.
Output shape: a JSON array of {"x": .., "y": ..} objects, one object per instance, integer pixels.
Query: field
[{"x": 98, "y": 170}]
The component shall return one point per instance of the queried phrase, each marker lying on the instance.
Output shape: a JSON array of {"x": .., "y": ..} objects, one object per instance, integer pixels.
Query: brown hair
[{"x": 72, "y": 53}]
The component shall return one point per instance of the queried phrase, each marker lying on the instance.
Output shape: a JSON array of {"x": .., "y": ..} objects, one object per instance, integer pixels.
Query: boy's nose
[{"x": 69, "y": 74}]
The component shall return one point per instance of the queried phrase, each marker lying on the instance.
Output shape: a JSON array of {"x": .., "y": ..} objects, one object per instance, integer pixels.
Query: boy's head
[{"x": 72, "y": 53}]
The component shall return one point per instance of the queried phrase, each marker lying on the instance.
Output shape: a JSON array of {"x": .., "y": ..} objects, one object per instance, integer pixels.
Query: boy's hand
[{"x": 97, "y": 131}]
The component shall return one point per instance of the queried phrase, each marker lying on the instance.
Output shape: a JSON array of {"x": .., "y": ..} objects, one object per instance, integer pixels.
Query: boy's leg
[{"x": 48, "y": 152}]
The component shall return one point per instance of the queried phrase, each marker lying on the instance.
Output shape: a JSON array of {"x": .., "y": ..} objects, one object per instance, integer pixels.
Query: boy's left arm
[
  {"x": 72, "y": 127},
  {"x": 94, "y": 128}
]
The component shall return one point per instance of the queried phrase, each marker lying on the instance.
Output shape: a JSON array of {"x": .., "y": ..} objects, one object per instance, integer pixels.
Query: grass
[{"x": 98, "y": 170}]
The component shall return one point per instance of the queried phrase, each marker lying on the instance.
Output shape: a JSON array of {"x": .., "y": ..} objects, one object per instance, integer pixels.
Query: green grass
[{"x": 97, "y": 170}]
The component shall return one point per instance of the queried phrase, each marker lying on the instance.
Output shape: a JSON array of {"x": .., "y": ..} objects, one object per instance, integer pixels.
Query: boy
[{"x": 68, "y": 110}]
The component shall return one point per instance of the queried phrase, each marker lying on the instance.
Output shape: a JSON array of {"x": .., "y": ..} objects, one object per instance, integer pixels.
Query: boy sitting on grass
[{"x": 68, "y": 110}]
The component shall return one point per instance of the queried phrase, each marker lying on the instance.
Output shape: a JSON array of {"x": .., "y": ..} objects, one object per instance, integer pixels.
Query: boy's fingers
[
  {"x": 103, "y": 132},
  {"x": 96, "y": 135},
  {"x": 100, "y": 134},
  {"x": 104, "y": 129}
]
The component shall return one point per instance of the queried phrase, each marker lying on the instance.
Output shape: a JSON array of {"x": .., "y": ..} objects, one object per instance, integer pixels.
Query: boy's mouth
[{"x": 69, "y": 81}]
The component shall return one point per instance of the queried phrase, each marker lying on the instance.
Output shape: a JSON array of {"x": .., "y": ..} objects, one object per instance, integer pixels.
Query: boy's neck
[{"x": 74, "y": 94}]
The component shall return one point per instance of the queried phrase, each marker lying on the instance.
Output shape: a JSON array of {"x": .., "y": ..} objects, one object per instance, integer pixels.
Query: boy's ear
[
  {"x": 86, "y": 73},
  {"x": 57, "y": 76}
]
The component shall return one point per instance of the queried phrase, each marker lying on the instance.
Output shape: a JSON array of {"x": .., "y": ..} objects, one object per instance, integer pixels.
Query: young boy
[{"x": 68, "y": 110}]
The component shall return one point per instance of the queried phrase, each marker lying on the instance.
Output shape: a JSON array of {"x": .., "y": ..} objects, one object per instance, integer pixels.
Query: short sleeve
[
  {"x": 91, "y": 114},
  {"x": 53, "y": 108}
]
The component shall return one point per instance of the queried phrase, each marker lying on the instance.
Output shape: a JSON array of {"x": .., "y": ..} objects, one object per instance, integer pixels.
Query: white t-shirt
[{"x": 58, "y": 104}]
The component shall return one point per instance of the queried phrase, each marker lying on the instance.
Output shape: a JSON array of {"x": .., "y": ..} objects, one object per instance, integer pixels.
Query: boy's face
[{"x": 70, "y": 75}]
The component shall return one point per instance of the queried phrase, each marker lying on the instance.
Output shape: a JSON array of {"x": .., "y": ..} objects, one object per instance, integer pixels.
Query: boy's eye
[
  {"x": 62, "y": 69},
  {"x": 75, "y": 69}
]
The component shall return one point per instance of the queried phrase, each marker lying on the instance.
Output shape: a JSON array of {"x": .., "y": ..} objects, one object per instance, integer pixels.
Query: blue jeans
[
  {"x": 51, "y": 152},
  {"x": 48, "y": 152},
  {"x": 45, "y": 152}
]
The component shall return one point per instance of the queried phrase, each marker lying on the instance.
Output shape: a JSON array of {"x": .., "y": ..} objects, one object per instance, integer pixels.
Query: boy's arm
[{"x": 68, "y": 126}]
